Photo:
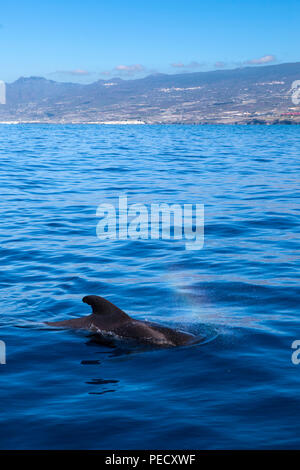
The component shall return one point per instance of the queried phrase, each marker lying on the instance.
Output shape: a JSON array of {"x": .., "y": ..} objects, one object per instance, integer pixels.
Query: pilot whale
[{"x": 107, "y": 319}]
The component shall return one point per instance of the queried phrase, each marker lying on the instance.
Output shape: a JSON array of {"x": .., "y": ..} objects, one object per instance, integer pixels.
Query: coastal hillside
[{"x": 248, "y": 95}]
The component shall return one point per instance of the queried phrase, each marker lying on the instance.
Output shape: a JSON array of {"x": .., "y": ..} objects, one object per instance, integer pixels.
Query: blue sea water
[{"x": 238, "y": 388}]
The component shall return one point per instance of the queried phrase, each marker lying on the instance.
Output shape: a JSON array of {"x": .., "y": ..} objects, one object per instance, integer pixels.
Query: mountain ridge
[{"x": 256, "y": 94}]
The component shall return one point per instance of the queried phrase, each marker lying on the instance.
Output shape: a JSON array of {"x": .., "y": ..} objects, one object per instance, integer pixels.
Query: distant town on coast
[{"x": 245, "y": 95}]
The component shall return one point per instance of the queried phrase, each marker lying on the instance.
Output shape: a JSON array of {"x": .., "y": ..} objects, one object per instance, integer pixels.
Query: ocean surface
[{"x": 238, "y": 387}]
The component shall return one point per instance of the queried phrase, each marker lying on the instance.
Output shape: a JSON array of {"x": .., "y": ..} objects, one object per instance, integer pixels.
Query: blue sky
[{"x": 86, "y": 40}]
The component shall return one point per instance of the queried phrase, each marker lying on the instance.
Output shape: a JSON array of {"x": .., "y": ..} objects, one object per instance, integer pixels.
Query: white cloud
[
  {"x": 106, "y": 73},
  {"x": 220, "y": 65},
  {"x": 79, "y": 72},
  {"x": 76, "y": 72},
  {"x": 266, "y": 59},
  {"x": 127, "y": 70},
  {"x": 178, "y": 65},
  {"x": 130, "y": 69},
  {"x": 191, "y": 65}
]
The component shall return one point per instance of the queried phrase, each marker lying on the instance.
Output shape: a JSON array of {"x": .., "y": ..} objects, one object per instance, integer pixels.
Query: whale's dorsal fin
[{"x": 103, "y": 307}]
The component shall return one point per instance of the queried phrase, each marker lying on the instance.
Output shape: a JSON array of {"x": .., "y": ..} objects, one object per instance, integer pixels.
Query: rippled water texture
[{"x": 239, "y": 387}]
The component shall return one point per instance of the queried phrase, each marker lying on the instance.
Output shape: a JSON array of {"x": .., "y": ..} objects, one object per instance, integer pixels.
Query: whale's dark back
[{"x": 107, "y": 317}]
